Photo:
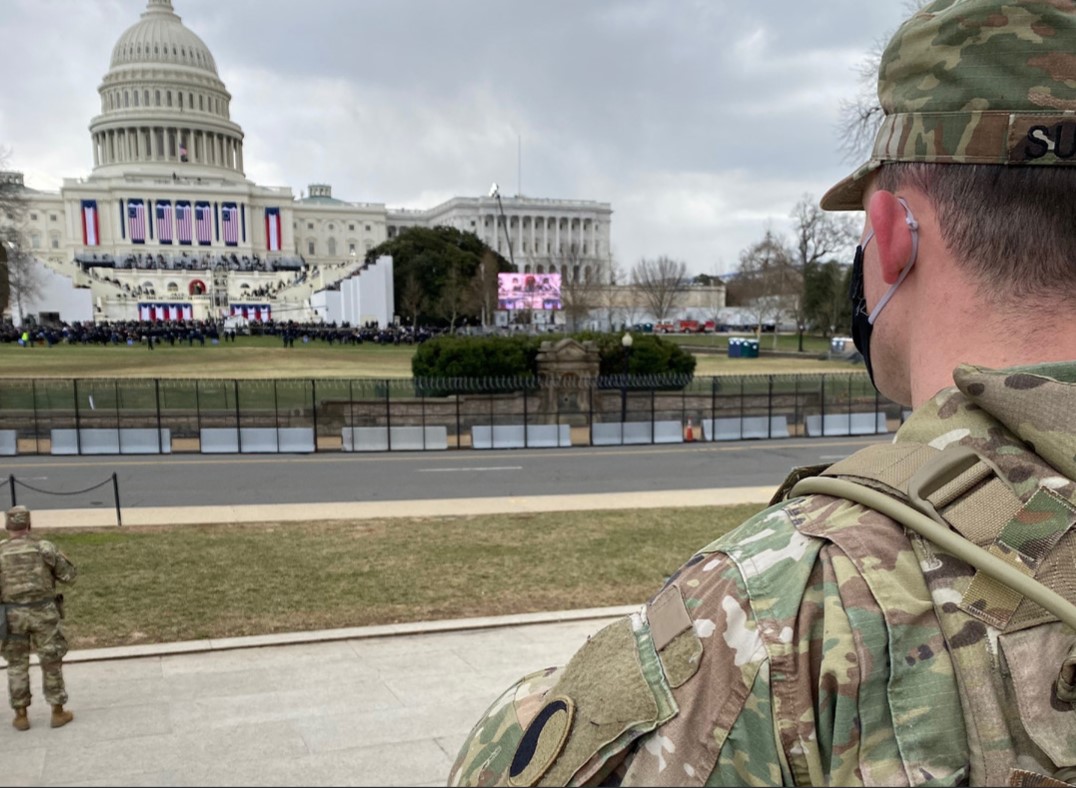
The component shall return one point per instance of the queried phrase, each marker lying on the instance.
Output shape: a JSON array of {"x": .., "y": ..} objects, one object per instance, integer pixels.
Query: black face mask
[
  {"x": 861, "y": 323},
  {"x": 862, "y": 318}
]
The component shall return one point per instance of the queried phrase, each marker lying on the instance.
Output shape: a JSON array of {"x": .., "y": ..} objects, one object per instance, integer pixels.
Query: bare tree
[
  {"x": 580, "y": 288},
  {"x": 819, "y": 235},
  {"x": 660, "y": 282},
  {"x": 24, "y": 281},
  {"x": 19, "y": 277},
  {"x": 613, "y": 279},
  {"x": 481, "y": 296},
  {"x": 412, "y": 298},
  {"x": 861, "y": 116},
  {"x": 767, "y": 282},
  {"x": 454, "y": 296}
]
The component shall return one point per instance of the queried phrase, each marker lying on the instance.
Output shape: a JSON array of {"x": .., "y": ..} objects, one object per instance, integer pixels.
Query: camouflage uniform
[
  {"x": 820, "y": 643},
  {"x": 29, "y": 569}
]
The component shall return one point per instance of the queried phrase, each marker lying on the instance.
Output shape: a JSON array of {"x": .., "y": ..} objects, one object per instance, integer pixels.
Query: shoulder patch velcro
[{"x": 542, "y": 742}]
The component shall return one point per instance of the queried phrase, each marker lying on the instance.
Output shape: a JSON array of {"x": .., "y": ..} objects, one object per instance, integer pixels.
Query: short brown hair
[{"x": 1013, "y": 227}]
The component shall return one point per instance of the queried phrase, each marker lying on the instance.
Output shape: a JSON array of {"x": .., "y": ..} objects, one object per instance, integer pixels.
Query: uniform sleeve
[
  {"x": 771, "y": 660},
  {"x": 61, "y": 566},
  {"x": 695, "y": 664},
  {"x": 725, "y": 729}
]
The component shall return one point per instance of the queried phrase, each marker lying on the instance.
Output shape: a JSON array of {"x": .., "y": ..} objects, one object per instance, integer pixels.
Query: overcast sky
[{"x": 702, "y": 122}]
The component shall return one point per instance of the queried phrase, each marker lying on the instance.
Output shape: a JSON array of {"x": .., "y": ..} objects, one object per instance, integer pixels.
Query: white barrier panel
[
  {"x": 636, "y": 432},
  {"x": 258, "y": 440},
  {"x": 668, "y": 432},
  {"x": 419, "y": 438},
  {"x": 219, "y": 440},
  {"x": 837, "y": 424},
  {"x": 751, "y": 427},
  {"x": 295, "y": 440},
  {"x": 403, "y": 438},
  {"x": 606, "y": 434},
  {"x": 551, "y": 436},
  {"x": 630, "y": 433},
  {"x": 89, "y": 441},
  {"x": 365, "y": 438},
  {"x": 8, "y": 442},
  {"x": 129, "y": 440},
  {"x": 135, "y": 440},
  {"x": 499, "y": 436},
  {"x": 518, "y": 436}
]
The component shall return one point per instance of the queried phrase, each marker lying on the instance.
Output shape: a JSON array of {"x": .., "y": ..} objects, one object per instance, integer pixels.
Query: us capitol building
[{"x": 167, "y": 226}]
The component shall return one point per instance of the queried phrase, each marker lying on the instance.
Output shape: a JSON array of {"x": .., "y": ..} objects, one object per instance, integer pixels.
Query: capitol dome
[
  {"x": 161, "y": 37},
  {"x": 164, "y": 108}
]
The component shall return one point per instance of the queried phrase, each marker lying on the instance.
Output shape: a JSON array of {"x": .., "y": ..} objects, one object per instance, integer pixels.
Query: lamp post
[
  {"x": 495, "y": 191},
  {"x": 625, "y": 342}
]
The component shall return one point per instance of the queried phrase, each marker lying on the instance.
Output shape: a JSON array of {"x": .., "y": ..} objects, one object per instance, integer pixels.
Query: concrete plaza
[{"x": 354, "y": 707}]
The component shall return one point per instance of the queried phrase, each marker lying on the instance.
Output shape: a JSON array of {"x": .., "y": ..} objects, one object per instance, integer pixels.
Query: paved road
[{"x": 187, "y": 480}]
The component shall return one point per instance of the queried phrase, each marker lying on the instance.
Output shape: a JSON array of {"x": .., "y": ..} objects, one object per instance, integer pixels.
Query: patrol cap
[
  {"x": 975, "y": 82},
  {"x": 17, "y": 518}
]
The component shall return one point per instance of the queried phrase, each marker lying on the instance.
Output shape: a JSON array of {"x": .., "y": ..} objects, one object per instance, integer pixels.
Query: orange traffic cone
[{"x": 689, "y": 432}]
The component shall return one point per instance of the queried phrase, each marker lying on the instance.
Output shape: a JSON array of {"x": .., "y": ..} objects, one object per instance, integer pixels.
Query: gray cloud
[{"x": 701, "y": 121}]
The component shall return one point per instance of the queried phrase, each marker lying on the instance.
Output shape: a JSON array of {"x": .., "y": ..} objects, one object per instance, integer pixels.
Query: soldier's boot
[
  {"x": 59, "y": 716},
  {"x": 21, "y": 721}
]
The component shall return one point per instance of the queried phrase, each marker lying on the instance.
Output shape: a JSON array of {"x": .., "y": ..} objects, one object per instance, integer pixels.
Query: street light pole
[
  {"x": 495, "y": 191},
  {"x": 625, "y": 342}
]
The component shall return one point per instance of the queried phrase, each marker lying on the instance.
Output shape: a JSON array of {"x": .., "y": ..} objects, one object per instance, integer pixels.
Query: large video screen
[{"x": 528, "y": 291}]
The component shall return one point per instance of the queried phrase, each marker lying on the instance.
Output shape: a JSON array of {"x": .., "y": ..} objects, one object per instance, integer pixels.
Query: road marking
[{"x": 458, "y": 470}]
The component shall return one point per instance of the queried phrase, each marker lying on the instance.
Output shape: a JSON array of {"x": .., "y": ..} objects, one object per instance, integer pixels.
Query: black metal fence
[{"x": 104, "y": 416}]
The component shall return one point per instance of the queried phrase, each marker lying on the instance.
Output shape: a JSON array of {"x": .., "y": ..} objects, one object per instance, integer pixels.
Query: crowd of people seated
[
  {"x": 126, "y": 291},
  {"x": 151, "y": 333},
  {"x": 261, "y": 292},
  {"x": 344, "y": 334},
  {"x": 186, "y": 261}
]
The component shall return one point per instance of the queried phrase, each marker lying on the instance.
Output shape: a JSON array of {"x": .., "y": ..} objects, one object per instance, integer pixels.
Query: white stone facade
[
  {"x": 543, "y": 236},
  {"x": 164, "y": 148}
]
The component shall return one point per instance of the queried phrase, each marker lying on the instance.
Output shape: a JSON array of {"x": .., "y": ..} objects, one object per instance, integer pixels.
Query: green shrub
[{"x": 516, "y": 357}]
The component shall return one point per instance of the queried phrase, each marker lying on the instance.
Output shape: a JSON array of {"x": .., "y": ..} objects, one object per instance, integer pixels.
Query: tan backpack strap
[
  {"x": 957, "y": 488},
  {"x": 888, "y": 465}
]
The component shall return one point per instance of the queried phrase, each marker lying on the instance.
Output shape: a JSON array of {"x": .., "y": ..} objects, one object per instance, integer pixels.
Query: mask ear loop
[{"x": 913, "y": 225}]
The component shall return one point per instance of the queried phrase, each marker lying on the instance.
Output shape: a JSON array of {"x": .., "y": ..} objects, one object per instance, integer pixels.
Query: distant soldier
[{"x": 31, "y": 616}]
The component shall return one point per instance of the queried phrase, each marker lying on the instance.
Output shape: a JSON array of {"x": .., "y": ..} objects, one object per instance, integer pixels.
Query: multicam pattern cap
[
  {"x": 17, "y": 519},
  {"x": 975, "y": 82}
]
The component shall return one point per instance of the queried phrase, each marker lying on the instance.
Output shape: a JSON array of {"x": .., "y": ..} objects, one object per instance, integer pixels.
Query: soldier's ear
[{"x": 891, "y": 233}]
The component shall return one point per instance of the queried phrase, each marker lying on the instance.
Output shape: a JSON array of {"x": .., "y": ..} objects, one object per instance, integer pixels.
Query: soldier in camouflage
[
  {"x": 827, "y": 642},
  {"x": 31, "y": 616}
]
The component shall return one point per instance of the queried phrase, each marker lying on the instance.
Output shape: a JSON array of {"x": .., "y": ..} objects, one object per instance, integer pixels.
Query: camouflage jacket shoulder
[
  {"x": 802, "y": 648},
  {"x": 30, "y": 567}
]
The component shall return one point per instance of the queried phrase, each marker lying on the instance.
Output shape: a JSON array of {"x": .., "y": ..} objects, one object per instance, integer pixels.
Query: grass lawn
[
  {"x": 154, "y": 585},
  {"x": 248, "y": 357},
  {"x": 265, "y": 357}
]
